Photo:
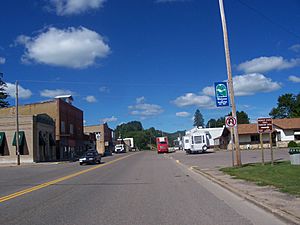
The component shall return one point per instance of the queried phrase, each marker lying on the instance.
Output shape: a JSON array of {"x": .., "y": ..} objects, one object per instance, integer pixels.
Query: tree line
[{"x": 288, "y": 106}]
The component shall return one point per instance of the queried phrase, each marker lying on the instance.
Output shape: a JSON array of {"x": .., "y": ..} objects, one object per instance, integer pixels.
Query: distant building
[
  {"x": 284, "y": 131},
  {"x": 100, "y": 137},
  {"x": 36, "y": 139},
  {"x": 68, "y": 124}
]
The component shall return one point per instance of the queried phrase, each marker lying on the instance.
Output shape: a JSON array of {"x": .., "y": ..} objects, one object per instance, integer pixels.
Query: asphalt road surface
[{"x": 135, "y": 189}]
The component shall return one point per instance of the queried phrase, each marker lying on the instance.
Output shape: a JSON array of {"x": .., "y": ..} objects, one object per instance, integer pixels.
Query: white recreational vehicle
[{"x": 196, "y": 142}]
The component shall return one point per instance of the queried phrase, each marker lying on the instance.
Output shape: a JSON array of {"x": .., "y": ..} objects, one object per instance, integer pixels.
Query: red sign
[
  {"x": 230, "y": 121},
  {"x": 264, "y": 125}
]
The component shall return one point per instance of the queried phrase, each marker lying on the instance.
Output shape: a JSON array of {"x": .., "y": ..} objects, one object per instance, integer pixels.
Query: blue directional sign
[{"x": 221, "y": 93}]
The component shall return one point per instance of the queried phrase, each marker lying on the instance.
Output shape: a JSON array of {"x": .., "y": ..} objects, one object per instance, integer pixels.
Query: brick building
[
  {"x": 36, "y": 139},
  {"x": 101, "y": 137},
  {"x": 68, "y": 123}
]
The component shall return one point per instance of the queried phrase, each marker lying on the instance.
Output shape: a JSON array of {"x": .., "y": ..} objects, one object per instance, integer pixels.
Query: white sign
[
  {"x": 98, "y": 136},
  {"x": 230, "y": 121}
]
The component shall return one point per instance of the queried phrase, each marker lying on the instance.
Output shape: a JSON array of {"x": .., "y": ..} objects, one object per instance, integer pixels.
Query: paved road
[{"x": 144, "y": 188}]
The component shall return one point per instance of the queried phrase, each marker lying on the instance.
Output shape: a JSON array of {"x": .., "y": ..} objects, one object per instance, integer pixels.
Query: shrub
[{"x": 292, "y": 144}]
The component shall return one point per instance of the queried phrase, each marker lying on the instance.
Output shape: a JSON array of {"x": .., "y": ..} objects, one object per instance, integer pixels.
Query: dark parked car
[{"x": 91, "y": 156}]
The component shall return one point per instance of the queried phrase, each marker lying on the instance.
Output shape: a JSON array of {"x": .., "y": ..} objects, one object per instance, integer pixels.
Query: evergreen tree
[
  {"x": 3, "y": 94},
  {"x": 198, "y": 119},
  {"x": 211, "y": 123}
]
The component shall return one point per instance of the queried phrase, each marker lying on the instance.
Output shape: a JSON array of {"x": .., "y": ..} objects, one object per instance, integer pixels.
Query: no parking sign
[{"x": 230, "y": 121}]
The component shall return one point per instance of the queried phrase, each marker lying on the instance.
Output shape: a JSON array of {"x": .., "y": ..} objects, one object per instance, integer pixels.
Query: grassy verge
[{"x": 282, "y": 175}]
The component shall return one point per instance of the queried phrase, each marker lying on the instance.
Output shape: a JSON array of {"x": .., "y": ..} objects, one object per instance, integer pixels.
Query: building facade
[
  {"x": 101, "y": 138},
  {"x": 68, "y": 124},
  {"x": 284, "y": 131},
  {"x": 36, "y": 139}
]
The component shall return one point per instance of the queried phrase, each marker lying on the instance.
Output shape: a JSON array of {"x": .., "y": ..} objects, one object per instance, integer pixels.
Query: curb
[{"x": 283, "y": 215}]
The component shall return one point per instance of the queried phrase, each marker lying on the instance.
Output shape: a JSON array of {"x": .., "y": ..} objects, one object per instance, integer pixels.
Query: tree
[
  {"x": 216, "y": 123},
  {"x": 3, "y": 94},
  {"x": 211, "y": 123},
  {"x": 242, "y": 117},
  {"x": 288, "y": 106},
  {"x": 123, "y": 129},
  {"x": 198, "y": 119},
  {"x": 220, "y": 122}
]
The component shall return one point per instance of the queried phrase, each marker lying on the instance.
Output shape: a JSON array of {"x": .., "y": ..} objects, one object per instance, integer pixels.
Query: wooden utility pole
[
  {"x": 17, "y": 125},
  {"x": 230, "y": 83}
]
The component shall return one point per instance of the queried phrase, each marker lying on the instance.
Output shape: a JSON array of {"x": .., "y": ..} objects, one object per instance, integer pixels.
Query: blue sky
[{"x": 150, "y": 60}]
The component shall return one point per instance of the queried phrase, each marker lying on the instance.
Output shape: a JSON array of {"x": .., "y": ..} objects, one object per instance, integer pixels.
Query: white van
[{"x": 120, "y": 148}]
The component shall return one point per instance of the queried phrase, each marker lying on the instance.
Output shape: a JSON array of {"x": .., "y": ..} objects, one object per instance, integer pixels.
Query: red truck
[{"x": 162, "y": 144}]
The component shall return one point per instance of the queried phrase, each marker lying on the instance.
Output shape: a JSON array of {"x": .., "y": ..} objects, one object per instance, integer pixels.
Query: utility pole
[
  {"x": 17, "y": 124},
  {"x": 230, "y": 82}
]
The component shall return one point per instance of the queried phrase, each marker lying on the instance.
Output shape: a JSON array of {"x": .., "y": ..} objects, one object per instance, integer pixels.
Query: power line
[
  {"x": 269, "y": 19},
  {"x": 110, "y": 84}
]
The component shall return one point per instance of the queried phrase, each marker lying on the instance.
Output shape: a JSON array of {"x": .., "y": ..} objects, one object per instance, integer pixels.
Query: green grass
[{"x": 282, "y": 175}]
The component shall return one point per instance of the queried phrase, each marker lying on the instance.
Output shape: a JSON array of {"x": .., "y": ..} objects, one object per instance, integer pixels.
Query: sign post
[
  {"x": 231, "y": 123},
  {"x": 265, "y": 125}
]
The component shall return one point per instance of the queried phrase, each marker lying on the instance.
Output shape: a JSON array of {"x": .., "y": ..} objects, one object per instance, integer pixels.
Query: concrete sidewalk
[{"x": 285, "y": 206}]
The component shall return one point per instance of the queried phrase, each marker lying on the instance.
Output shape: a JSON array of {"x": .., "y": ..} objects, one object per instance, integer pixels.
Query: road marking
[{"x": 43, "y": 185}]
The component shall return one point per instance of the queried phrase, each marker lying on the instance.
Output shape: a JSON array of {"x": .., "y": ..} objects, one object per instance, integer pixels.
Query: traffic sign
[
  {"x": 230, "y": 121},
  {"x": 221, "y": 93},
  {"x": 264, "y": 125}
]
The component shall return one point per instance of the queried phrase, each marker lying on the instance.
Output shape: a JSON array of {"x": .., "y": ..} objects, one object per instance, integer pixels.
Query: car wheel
[
  {"x": 80, "y": 163},
  {"x": 204, "y": 148}
]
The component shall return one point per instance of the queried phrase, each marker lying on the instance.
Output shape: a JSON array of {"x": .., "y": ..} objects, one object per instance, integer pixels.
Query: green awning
[
  {"x": 2, "y": 137},
  {"x": 51, "y": 140},
  {"x": 41, "y": 140},
  {"x": 21, "y": 138}
]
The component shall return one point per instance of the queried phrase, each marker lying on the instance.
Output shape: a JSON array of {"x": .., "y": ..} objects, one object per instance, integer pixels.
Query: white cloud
[
  {"x": 90, "y": 99},
  {"x": 144, "y": 109},
  {"x": 294, "y": 79},
  {"x": 264, "y": 64},
  {"x": 248, "y": 84},
  {"x": 2, "y": 60},
  {"x": 111, "y": 119},
  {"x": 70, "y": 7},
  {"x": 104, "y": 89},
  {"x": 190, "y": 99},
  {"x": 71, "y": 47},
  {"x": 140, "y": 100},
  {"x": 295, "y": 48},
  {"x": 56, "y": 92},
  {"x": 23, "y": 93},
  {"x": 183, "y": 114}
]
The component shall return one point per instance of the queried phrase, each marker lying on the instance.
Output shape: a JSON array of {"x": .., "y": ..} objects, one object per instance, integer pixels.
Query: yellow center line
[{"x": 43, "y": 185}]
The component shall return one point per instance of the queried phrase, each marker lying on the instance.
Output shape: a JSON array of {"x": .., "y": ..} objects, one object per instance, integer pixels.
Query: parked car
[{"x": 91, "y": 156}]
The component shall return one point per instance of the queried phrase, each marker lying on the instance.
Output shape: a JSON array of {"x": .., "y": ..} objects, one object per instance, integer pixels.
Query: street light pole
[
  {"x": 17, "y": 124},
  {"x": 230, "y": 82}
]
